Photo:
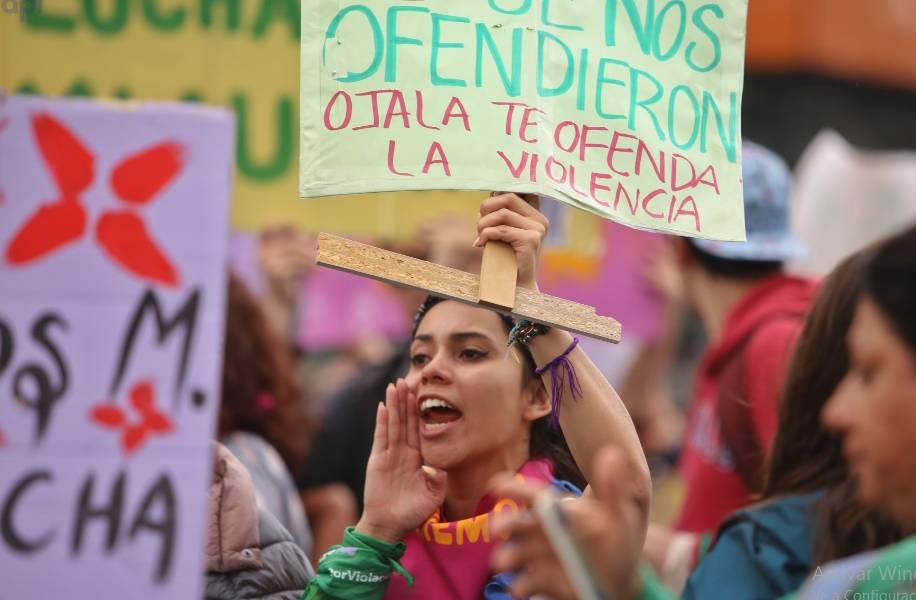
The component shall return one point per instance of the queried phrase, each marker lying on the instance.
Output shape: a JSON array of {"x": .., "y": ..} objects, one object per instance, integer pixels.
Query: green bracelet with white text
[{"x": 357, "y": 569}]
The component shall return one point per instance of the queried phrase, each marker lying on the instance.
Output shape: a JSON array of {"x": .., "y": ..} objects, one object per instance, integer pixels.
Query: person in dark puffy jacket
[{"x": 250, "y": 555}]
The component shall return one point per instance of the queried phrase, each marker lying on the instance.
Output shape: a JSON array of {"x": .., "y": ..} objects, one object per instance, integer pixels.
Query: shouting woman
[{"x": 484, "y": 395}]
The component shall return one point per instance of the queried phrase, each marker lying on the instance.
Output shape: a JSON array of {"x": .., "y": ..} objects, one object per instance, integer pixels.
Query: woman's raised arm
[{"x": 596, "y": 417}]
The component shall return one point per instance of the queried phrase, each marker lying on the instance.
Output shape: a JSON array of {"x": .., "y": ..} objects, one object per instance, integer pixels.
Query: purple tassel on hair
[{"x": 560, "y": 369}]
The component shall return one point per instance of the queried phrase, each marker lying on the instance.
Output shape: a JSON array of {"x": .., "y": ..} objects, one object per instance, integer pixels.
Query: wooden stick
[
  {"x": 499, "y": 269},
  {"x": 390, "y": 267},
  {"x": 498, "y": 275}
]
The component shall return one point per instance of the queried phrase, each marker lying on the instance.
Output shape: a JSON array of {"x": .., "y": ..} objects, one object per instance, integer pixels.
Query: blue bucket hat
[{"x": 767, "y": 191}]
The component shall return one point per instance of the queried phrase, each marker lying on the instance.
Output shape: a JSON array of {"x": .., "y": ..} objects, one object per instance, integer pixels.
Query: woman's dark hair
[
  {"x": 546, "y": 442},
  {"x": 261, "y": 393},
  {"x": 731, "y": 267},
  {"x": 819, "y": 363},
  {"x": 805, "y": 457},
  {"x": 890, "y": 281}
]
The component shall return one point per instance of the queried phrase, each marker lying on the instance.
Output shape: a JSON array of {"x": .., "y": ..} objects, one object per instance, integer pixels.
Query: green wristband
[
  {"x": 390, "y": 553},
  {"x": 652, "y": 588},
  {"x": 359, "y": 568}
]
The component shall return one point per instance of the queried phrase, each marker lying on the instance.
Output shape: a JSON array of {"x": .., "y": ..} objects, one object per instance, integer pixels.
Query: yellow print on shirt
[{"x": 466, "y": 531}]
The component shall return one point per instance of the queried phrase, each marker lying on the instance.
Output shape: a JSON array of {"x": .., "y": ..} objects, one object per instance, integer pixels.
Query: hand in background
[
  {"x": 662, "y": 272},
  {"x": 450, "y": 240},
  {"x": 285, "y": 254}
]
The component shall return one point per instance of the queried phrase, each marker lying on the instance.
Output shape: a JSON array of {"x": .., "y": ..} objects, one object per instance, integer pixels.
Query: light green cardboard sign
[{"x": 630, "y": 109}]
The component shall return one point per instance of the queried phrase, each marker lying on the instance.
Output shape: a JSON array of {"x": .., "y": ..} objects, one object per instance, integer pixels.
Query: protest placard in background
[
  {"x": 846, "y": 198},
  {"x": 630, "y": 110},
  {"x": 113, "y": 227},
  {"x": 242, "y": 54}
]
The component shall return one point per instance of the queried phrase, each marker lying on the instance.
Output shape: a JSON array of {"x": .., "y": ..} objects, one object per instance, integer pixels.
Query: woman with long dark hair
[
  {"x": 874, "y": 412},
  {"x": 808, "y": 512},
  {"x": 484, "y": 395}
]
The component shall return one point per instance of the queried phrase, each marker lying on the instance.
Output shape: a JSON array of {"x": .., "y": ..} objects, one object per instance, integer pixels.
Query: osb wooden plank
[
  {"x": 498, "y": 275},
  {"x": 347, "y": 255}
]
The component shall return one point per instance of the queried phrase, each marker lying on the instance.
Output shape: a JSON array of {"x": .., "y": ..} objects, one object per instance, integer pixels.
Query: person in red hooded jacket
[{"x": 752, "y": 312}]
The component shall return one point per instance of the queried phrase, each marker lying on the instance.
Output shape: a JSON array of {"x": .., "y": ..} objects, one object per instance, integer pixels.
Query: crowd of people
[{"x": 428, "y": 471}]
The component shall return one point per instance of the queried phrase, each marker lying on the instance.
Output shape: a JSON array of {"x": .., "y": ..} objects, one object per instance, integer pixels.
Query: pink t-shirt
[{"x": 451, "y": 560}]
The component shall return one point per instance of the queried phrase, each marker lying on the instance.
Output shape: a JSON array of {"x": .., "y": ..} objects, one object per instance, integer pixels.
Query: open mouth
[{"x": 436, "y": 414}]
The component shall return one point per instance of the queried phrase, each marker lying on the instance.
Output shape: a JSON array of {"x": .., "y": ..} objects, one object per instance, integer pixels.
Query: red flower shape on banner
[
  {"x": 133, "y": 435},
  {"x": 122, "y": 234}
]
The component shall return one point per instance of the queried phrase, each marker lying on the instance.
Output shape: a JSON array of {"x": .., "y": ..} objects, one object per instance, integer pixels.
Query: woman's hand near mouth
[{"x": 400, "y": 492}]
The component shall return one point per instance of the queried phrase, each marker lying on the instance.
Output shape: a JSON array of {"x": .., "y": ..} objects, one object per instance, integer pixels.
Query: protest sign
[
  {"x": 240, "y": 54},
  {"x": 630, "y": 110},
  {"x": 113, "y": 226}
]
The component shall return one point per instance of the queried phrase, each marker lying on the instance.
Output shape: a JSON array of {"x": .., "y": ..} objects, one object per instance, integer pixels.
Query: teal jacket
[
  {"x": 762, "y": 552},
  {"x": 765, "y": 551}
]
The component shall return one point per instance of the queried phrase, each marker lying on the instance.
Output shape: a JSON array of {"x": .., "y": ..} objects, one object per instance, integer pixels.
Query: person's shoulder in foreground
[
  {"x": 250, "y": 555},
  {"x": 760, "y": 552}
]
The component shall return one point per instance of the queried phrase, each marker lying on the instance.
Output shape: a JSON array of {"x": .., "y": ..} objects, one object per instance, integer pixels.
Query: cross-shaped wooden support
[{"x": 495, "y": 288}]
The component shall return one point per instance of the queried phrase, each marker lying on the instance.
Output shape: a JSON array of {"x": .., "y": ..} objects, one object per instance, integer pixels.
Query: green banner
[{"x": 630, "y": 109}]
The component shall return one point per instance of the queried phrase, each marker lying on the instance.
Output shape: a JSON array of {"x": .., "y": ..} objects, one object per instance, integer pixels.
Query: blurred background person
[
  {"x": 285, "y": 255},
  {"x": 250, "y": 555},
  {"x": 808, "y": 512},
  {"x": 874, "y": 412},
  {"x": 813, "y": 511},
  {"x": 264, "y": 418},
  {"x": 751, "y": 312}
]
